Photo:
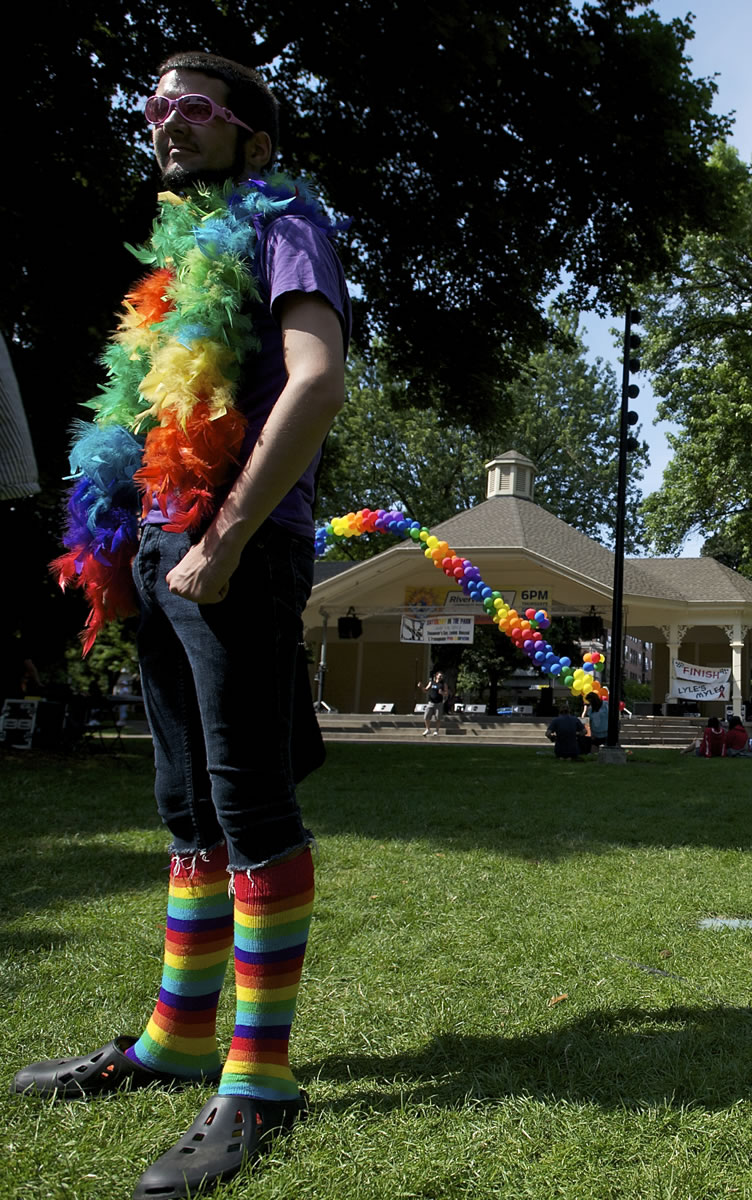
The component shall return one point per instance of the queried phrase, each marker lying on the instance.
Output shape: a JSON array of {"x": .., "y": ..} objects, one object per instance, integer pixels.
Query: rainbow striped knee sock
[
  {"x": 272, "y": 916},
  {"x": 180, "y": 1038}
]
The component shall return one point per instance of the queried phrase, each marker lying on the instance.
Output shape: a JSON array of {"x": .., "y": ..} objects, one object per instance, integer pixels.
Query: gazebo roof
[
  {"x": 509, "y": 523},
  {"x": 698, "y": 579}
]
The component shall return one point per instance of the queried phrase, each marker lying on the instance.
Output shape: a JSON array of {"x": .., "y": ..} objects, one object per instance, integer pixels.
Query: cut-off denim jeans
[{"x": 219, "y": 684}]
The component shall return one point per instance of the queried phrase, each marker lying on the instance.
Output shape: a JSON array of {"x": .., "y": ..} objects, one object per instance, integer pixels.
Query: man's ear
[{"x": 258, "y": 151}]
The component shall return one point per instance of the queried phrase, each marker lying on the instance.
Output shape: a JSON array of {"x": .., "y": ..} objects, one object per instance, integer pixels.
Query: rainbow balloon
[{"x": 526, "y": 630}]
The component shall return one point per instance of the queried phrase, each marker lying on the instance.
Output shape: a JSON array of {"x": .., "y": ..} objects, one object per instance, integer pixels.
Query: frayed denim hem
[
  {"x": 187, "y": 859},
  {"x": 246, "y": 868}
]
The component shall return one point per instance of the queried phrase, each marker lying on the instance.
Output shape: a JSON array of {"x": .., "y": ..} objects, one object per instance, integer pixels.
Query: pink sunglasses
[{"x": 195, "y": 109}]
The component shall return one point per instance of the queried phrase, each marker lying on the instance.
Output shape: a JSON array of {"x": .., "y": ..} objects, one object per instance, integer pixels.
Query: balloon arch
[{"x": 526, "y": 630}]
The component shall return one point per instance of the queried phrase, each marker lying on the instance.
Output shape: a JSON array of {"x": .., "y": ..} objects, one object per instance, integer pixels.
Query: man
[
  {"x": 437, "y": 693},
  {"x": 565, "y": 731},
  {"x": 223, "y": 571}
]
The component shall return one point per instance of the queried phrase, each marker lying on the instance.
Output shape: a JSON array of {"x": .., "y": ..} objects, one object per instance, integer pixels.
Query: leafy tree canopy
[
  {"x": 113, "y": 652},
  {"x": 698, "y": 349},
  {"x": 729, "y": 552},
  {"x": 478, "y": 153},
  {"x": 562, "y": 412}
]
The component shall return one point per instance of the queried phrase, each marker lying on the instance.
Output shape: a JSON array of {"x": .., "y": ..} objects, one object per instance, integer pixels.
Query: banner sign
[
  {"x": 700, "y": 691},
  {"x": 706, "y": 675},
  {"x": 437, "y": 630},
  {"x": 417, "y": 598}
]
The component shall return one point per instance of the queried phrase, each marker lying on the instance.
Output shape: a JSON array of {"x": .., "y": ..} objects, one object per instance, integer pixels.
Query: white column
[
  {"x": 674, "y": 635},
  {"x": 736, "y": 634}
]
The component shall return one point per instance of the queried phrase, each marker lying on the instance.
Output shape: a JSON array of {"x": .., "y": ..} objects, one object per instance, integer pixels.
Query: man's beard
[{"x": 180, "y": 179}]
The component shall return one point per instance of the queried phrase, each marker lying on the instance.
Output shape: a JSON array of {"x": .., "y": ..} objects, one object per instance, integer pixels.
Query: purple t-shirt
[{"x": 292, "y": 255}]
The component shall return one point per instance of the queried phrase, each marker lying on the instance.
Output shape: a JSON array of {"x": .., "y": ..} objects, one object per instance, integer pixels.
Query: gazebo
[{"x": 693, "y": 609}]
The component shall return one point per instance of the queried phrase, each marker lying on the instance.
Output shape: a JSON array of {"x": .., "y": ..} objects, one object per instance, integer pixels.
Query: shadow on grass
[
  {"x": 84, "y": 792},
  {"x": 515, "y": 801},
  {"x": 61, "y": 816},
  {"x": 34, "y": 941},
  {"x": 627, "y": 1059},
  {"x": 80, "y": 873},
  {"x": 504, "y": 800}
]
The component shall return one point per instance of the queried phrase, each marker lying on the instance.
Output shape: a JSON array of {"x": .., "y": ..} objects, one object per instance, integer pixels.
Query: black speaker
[
  {"x": 591, "y": 627},
  {"x": 349, "y": 627}
]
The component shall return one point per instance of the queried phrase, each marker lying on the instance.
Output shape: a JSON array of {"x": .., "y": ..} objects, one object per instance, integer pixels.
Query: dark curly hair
[{"x": 247, "y": 94}]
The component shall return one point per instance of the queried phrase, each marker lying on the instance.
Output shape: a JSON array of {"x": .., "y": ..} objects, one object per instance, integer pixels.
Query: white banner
[
  {"x": 699, "y": 691},
  {"x": 707, "y": 675},
  {"x": 437, "y": 629}
]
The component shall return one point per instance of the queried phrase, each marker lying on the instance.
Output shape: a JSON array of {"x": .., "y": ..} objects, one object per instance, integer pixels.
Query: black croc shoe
[
  {"x": 226, "y": 1133},
  {"x": 105, "y": 1070}
]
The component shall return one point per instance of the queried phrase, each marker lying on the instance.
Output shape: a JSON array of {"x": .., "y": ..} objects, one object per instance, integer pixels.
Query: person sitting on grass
[
  {"x": 712, "y": 744},
  {"x": 735, "y": 740},
  {"x": 564, "y": 731},
  {"x": 695, "y": 742}
]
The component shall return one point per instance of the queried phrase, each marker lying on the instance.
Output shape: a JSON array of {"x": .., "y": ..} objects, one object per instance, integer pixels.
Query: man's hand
[{"x": 203, "y": 574}]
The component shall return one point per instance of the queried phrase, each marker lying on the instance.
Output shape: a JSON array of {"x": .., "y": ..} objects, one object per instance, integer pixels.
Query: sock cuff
[{"x": 276, "y": 881}]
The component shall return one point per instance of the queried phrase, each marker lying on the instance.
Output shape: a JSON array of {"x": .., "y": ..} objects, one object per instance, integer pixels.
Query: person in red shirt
[
  {"x": 712, "y": 744},
  {"x": 735, "y": 740}
]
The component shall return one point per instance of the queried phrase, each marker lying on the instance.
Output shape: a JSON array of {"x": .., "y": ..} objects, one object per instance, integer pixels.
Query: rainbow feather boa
[{"x": 166, "y": 427}]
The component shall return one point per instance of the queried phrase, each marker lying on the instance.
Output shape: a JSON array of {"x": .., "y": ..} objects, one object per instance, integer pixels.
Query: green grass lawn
[{"x": 507, "y": 991}]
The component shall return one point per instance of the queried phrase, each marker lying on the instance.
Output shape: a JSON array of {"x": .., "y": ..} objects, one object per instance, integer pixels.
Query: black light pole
[{"x": 629, "y": 391}]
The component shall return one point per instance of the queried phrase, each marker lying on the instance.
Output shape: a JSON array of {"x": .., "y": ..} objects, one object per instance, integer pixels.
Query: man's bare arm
[{"x": 295, "y": 428}]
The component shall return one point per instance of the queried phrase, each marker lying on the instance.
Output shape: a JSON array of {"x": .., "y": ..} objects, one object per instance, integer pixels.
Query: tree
[
  {"x": 479, "y": 153},
  {"x": 492, "y": 657},
  {"x": 733, "y": 555},
  {"x": 636, "y": 693},
  {"x": 566, "y": 414},
  {"x": 383, "y": 452},
  {"x": 698, "y": 348},
  {"x": 562, "y": 412},
  {"x": 113, "y": 652},
  {"x": 484, "y": 664}
]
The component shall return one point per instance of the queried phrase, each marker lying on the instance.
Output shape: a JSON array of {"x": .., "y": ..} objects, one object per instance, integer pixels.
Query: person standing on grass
[
  {"x": 221, "y": 599},
  {"x": 437, "y": 690},
  {"x": 595, "y": 718}
]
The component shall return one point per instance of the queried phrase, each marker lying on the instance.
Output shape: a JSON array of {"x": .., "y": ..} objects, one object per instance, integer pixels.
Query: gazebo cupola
[{"x": 511, "y": 474}]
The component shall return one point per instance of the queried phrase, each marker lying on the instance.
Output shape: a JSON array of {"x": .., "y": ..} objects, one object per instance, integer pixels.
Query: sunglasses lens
[
  {"x": 196, "y": 109},
  {"x": 156, "y": 109}
]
